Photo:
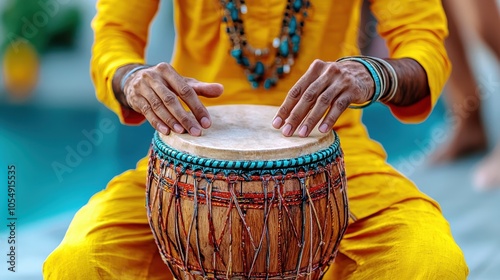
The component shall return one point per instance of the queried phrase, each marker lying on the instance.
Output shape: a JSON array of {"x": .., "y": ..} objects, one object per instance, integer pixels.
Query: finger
[
  {"x": 338, "y": 107},
  {"x": 185, "y": 92},
  {"x": 206, "y": 89},
  {"x": 296, "y": 92},
  {"x": 322, "y": 105},
  {"x": 171, "y": 103},
  {"x": 143, "y": 106},
  {"x": 302, "y": 108},
  {"x": 355, "y": 90},
  {"x": 160, "y": 110}
]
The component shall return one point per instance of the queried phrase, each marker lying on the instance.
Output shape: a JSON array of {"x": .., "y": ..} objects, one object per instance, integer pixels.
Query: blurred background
[{"x": 51, "y": 130}]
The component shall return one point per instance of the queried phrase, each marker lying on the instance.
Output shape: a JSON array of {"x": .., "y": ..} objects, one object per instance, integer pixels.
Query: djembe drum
[{"x": 242, "y": 201}]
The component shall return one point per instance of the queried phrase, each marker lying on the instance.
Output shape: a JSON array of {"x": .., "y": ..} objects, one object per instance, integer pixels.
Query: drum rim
[
  {"x": 194, "y": 162},
  {"x": 255, "y": 138}
]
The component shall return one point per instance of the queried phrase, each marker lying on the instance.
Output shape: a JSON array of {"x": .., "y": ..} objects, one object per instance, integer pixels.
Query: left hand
[{"x": 326, "y": 87}]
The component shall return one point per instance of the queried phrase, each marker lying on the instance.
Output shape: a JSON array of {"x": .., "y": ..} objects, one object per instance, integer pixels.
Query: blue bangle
[
  {"x": 376, "y": 79},
  {"x": 129, "y": 73}
]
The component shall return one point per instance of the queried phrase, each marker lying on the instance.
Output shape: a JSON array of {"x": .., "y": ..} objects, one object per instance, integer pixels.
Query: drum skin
[{"x": 259, "y": 219}]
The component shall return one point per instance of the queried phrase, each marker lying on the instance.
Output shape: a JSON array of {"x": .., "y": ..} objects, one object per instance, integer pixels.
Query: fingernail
[
  {"x": 287, "y": 129},
  {"x": 324, "y": 128},
  {"x": 277, "y": 122},
  {"x": 178, "y": 128},
  {"x": 163, "y": 129},
  {"x": 303, "y": 131},
  {"x": 195, "y": 131},
  {"x": 205, "y": 122}
]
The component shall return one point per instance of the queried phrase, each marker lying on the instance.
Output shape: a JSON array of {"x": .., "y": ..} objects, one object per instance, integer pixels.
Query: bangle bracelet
[
  {"x": 383, "y": 77},
  {"x": 393, "y": 78},
  {"x": 390, "y": 75},
  {"x": 375, "y": 76},
  {"x": 129, "y": 73},
  {"x": 394, "y": 84}
]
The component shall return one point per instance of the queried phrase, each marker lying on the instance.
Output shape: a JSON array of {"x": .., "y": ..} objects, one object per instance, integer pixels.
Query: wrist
[
  {"x": 378, "y": 79},
  {"x": 128, "y": 74},
  {"x": 383, "y": 75},
  {"x": 120, "y": 77}
]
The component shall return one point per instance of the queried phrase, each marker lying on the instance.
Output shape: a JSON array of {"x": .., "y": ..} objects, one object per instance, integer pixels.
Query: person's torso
[{"x": 202, "y": 47}]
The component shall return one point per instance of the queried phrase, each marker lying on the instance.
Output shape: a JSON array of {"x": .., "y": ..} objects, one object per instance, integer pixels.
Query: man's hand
[
  {"x": 326, "y": 87},
  {"x": 155, "y": 93}
]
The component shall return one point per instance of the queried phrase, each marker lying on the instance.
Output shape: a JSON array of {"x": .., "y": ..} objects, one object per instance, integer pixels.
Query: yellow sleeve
[
  {"x": 120, "y": 37},
  {"x": 416, "y": 29}
]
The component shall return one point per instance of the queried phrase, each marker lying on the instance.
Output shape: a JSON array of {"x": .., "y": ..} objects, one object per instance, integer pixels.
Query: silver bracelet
[
  {"x": 129, "y": 73},
  {"x": 393, "y": 78}
]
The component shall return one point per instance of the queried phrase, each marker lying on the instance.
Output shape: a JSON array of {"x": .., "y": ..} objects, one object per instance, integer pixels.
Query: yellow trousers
[{"x": 398, "y": 232}]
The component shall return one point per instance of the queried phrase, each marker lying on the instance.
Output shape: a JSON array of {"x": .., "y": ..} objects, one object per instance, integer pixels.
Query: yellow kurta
[{"x": 396, "y": 223}]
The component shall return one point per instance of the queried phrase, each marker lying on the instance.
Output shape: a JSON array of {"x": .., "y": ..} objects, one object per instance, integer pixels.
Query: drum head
[{"x": 244, "y": 132}]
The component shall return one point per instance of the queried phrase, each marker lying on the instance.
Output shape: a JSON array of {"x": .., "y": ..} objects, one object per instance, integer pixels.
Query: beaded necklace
[{"x": 286, "y": 44}]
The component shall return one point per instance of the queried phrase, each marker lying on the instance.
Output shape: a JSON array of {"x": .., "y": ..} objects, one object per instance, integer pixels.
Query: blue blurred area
[
  {"x": 62, "y": 157},
  {"x": 43, "y": 134},
  {"x": 52, "y": 130}
]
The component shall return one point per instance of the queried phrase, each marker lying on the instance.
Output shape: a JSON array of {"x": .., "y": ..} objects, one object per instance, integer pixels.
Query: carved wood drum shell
[{"x": 242, "y": 201}]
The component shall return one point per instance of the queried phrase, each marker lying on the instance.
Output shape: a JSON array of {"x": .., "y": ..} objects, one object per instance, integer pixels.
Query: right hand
[{"x": 155, "y": 92}]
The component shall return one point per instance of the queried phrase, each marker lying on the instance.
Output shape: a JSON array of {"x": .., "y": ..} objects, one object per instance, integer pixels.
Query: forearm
[
  {"x": 412, "y": 82},
  {"x": 119, "y": 39},
  {"x": 415, "y": 30}
]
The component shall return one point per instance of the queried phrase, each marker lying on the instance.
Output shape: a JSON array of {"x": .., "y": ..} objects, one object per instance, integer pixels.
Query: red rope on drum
[{"x": 250, "y": 200}]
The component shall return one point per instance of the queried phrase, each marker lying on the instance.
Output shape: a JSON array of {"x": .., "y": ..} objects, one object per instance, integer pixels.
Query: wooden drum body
[{"x": 242, "y": 201}]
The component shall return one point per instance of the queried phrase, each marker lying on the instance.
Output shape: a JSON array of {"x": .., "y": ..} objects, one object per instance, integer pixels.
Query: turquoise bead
[
  {"x": 244, "y": 61},
  {"x": 251, "y": 77},
  {"x": 234, "y": 14},
  {"x": 230, "y": 6},
  {"x": 295, "y": 44},
  {"x": 236, "y": 53},
  {"x": 297, "y": 4},
  {"x": 255, "y": 84},
  {"x": 292, "y": 26},
  {"x": 259, "y": 68},
  {"x": 284, "y": 48},
  {"x": 280, "y": 70},
  {"x": 268, "y": 83}
]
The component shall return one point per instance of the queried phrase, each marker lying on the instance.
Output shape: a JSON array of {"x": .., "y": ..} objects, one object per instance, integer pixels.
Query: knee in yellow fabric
[
  {"x": 104, "y": 255},
  {"x": 432, "y": 256},
  {"x": 423, "y": 245},
  {"x": 110, "y": 237},
  {"x": 70, "y": 261},
  {"x": 409, "y": 240}
]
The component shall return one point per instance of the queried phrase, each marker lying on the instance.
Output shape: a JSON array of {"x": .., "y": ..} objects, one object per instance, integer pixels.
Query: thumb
[{"x": 206, "y": 89}]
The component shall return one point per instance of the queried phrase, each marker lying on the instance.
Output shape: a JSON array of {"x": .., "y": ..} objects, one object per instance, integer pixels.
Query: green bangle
[{"x": 375, "y": 76}]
